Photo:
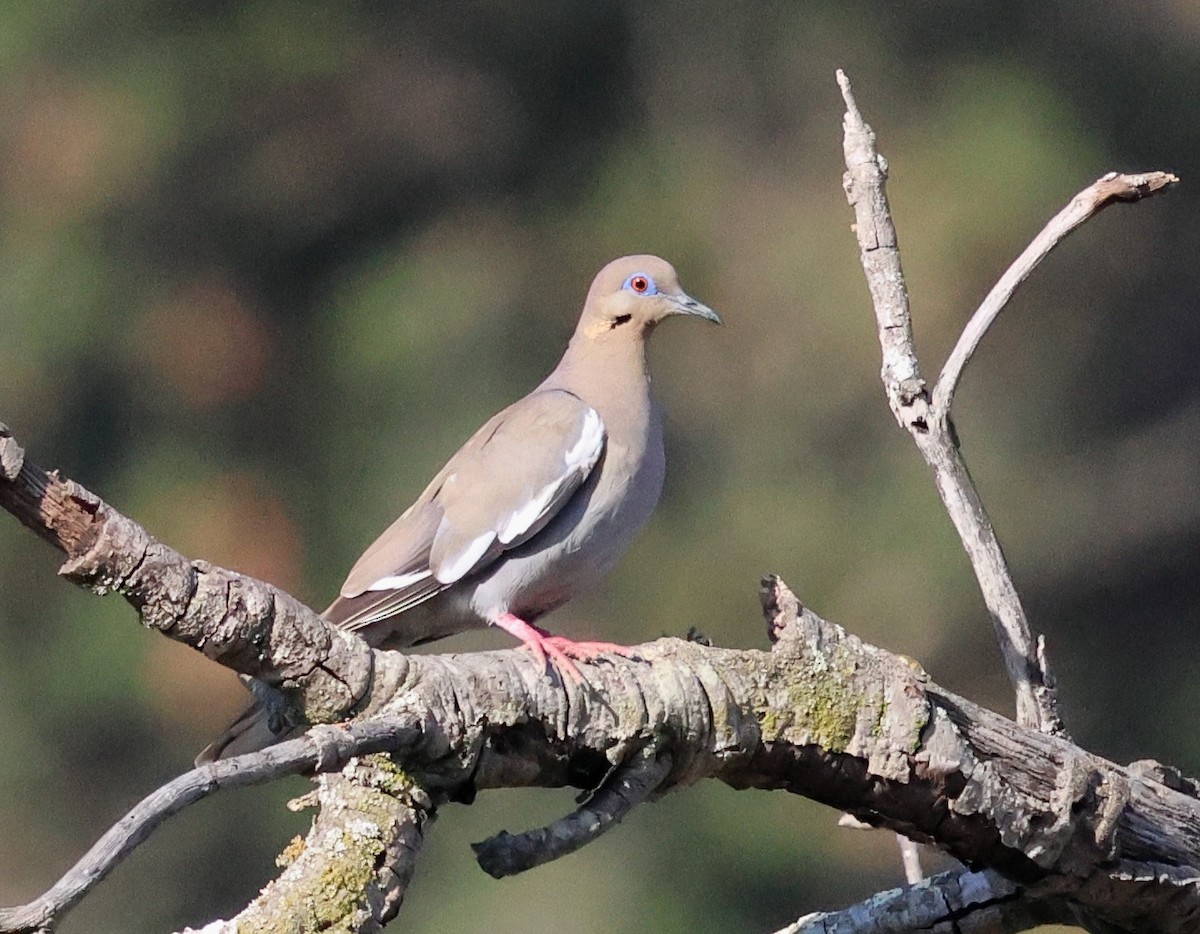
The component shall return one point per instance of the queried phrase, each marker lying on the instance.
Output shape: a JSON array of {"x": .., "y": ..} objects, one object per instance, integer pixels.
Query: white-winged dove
[{"x": 536, "y": 507}]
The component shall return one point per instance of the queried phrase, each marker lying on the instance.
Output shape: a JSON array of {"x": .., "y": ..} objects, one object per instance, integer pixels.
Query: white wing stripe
[
  {"x": 581, "y": 458},
  {"x": 591, "y": 441},
  {"x": 399, "y": 581},
  {"x": 451, "y": 571},
  {"x": 524, "y": 517}
]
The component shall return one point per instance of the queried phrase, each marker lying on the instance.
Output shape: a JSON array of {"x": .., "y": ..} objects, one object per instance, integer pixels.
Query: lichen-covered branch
[
  {"x": 352, "y": 870},
  {"x": 822, "y": 715},
  {"x": 322, "y": 749}
]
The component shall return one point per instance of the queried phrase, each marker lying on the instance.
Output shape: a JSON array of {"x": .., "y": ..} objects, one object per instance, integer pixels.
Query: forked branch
[{"x": 927, "y": 418}]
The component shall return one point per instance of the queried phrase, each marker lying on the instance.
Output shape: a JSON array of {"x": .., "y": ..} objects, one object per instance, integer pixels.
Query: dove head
[{"x": 631, "y": 295}]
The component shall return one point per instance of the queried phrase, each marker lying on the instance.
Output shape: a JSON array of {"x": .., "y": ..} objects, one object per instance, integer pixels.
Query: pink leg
[{"x": 557, "y": 650}]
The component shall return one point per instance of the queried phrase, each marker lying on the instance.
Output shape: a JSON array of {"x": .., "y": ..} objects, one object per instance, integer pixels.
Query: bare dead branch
[
  {"x": 880, "y": 255},
  {"x": 244, "y": 624},
  {"x": 822, "y": 715},
  {"x": 41, "y": 501},
  {"x": 927, "y": 419},
  {"x": 629, "y": 785},
  {"x": 320, "y": 750},
  {"x": 866, "y": 175},
  {"x": 1110, "y": 189},
  {"x": 948, "y": 903}
]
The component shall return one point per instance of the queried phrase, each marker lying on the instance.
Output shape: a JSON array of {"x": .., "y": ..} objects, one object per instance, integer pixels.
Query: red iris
[{"x": 639, "y": 283}]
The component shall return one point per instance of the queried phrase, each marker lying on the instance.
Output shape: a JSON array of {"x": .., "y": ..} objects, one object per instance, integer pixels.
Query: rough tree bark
[{"x": 1054, "y": 832}]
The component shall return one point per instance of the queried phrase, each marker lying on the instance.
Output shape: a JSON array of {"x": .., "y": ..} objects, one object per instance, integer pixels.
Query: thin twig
[
  {"x": 1089, "y": 202},
  {"x": 320, "y": 750},
  {"x": 630, "y": 784}
]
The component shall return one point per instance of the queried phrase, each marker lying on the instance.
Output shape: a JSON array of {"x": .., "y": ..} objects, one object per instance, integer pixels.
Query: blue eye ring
[{"x": 641, "y": 283}]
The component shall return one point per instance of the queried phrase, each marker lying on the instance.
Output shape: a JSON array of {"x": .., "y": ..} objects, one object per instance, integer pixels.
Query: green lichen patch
[{"x": 819, "y": 705}]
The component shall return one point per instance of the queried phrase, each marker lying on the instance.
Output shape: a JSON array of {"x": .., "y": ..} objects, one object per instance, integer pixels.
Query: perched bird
[{"x": 535, "y": 508}]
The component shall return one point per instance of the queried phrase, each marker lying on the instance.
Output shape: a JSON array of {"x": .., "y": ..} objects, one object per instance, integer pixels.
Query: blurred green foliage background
[{"x": 264, "y": 265}]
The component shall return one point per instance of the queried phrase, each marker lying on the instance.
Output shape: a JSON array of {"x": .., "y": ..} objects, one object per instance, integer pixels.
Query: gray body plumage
[
  {"x": 538, "y": 505},
  {"x": 571, "y": 554}
]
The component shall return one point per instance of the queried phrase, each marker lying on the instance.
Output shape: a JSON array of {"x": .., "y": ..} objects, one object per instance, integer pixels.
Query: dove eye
[{"x": 641, "y": 283}]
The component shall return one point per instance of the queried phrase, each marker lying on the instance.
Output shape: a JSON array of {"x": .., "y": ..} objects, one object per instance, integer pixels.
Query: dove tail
[{"x": 250, "y": 732}]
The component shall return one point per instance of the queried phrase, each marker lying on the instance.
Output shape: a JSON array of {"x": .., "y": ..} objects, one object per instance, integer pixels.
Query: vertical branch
[
  {"x": 866, "y": 174},
  {"x": 928, "y": 419}
]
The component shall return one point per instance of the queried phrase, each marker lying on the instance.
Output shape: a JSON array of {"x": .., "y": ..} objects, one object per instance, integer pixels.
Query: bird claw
[
  {"x": 565, "y": 652},
  {"x": 559, "y": 652}
]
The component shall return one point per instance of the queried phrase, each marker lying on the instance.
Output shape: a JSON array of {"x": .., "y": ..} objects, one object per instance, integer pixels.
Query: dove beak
[{"x": 684, "y": 304}]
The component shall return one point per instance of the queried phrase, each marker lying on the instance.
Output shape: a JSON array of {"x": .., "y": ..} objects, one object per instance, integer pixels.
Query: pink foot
[{"x": 557, "y": 650}]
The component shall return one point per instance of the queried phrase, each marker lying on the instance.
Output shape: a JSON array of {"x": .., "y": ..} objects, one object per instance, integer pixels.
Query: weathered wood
[{"x": 822, "y": 714}]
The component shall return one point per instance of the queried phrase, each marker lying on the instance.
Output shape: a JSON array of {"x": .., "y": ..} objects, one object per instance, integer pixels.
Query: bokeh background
[{"x": 264, "y": 265}]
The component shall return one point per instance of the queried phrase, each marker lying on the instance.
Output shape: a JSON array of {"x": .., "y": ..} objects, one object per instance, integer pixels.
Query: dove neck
[{"x": 598, "y": 368}]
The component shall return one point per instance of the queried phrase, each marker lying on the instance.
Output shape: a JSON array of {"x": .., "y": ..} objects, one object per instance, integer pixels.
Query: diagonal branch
[
  {"x": 629, "y": 785},
  {"x": 1109, "y": 189},
  {"x": 822, "y": 715},
  {"x": 246, "y": 625},
  {"x": 318, "y": 751},
  {"x": 954, "y": 902}
]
